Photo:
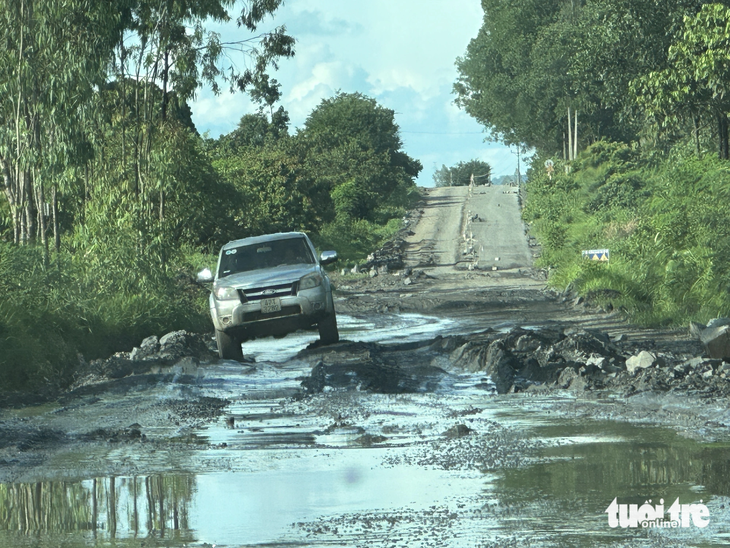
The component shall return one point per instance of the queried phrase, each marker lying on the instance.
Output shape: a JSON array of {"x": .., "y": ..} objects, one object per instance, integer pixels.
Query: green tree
[
  {"x": 534, "y": 62},
  {"x": 461, "y": 174},
  {"x": 352, "y": 140},
  {"x": 696, "y": 83}
]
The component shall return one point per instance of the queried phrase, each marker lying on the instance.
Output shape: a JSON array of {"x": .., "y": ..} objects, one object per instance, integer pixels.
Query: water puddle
[
  {"x": 383, "y": 328},
  {"x": 322, "y": 488},
  {"x": 350, "y": 468}
]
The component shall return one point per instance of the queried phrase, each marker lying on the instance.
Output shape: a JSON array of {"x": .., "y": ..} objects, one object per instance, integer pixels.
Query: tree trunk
[
  {"x": 164, "y": 85},
  {"x": 56, "y": 232},
  {"x": 696, "y": 123},
  {"x": 29, "y": 213},
  {"x": 41, "y": 206},
  {"x": 570, "y": 138},
  {"x": 722, "y": 134}
]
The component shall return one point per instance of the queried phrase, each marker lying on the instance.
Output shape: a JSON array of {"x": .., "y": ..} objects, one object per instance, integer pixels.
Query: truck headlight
[
  {"x": 226, "y": 294},
  {"x": 310, "y": 282}
]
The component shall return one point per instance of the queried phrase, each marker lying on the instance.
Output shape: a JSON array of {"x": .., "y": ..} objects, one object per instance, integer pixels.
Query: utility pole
[{"x": 519, "y": 174}]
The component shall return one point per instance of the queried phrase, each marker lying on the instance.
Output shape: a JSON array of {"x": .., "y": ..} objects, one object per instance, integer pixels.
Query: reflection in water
[
  {"x": 573, "y": 483},
  {"x": 107, "y": 507}
]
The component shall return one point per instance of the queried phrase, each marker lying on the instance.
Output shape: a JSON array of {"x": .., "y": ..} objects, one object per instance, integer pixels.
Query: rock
[
  {"x": 642, "y": 360},
  {"x": 618, "y": 338},
  {"x": 367, "y": 440},
  {"x": 355, "y": 269},
  {"x": 696, "y": 329},
  {"x": 383, "y": 269},
  {"x": 718, "y": 322},
  {"x": 407, "y": 281},
  {"x": 151, "y": 342},
  {"x": 527, "y": 343},
  {"x": 717, "y": 341},
  {"x": 566, "y": 377},
  {"x": 373, "y": 273},
  {"x": 694, "y": 363},
  {"x": 343, "y": 272},
  {"x": 598, "y": 361},
  {"x": 146, "y": 350},
  {"x": 458, "y": 431}
]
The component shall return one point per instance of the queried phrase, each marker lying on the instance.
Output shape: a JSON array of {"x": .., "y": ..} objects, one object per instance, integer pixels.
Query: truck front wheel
[
  {"x": 328, "y": 333},
  {"x": 229, "y": 348}
]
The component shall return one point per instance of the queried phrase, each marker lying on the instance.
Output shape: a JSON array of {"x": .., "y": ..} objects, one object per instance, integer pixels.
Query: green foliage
[
  {"x": 351, "y": 141},
  {"x": 94, "y": 303},
  {"x": 461, "y": 173},
  {"x": 669, "y": 241},
  {"x": 354, "y": 239},
  {"x": 533, "y": 60}
]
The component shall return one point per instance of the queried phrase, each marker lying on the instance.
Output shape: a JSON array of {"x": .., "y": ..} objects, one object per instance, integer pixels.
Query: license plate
[{"x": 270, "y": 305}]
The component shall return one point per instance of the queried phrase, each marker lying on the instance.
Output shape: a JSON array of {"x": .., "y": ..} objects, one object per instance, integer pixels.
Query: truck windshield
[{"x": 271, "y": 254}]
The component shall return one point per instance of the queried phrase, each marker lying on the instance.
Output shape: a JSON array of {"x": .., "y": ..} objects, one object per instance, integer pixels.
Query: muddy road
[{"x": 466, "y": 405}]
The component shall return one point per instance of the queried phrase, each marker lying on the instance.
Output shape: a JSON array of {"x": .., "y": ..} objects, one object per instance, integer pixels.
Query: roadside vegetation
[
  {"x": 461, "y": 174},
  {"x": 112, "y": 200},
  {"x": 629, "y": 101}
]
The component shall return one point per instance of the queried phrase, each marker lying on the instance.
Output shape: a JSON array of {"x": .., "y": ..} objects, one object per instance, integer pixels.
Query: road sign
[
  {"x": 549, "y": 168},
  {"x": 596, "y": 254}
]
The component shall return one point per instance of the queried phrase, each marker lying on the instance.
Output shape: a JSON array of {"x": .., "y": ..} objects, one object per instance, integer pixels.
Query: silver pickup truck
[{"x": 270, "y": 285}]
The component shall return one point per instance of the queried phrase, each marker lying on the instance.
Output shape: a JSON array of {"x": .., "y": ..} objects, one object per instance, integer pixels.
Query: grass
[{"x": 669, "y": 239}]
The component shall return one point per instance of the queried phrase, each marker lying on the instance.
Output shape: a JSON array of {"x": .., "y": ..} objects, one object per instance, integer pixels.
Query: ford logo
[{"x": 268, "y": 291}]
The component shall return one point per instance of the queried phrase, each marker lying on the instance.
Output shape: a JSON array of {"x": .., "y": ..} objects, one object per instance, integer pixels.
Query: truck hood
[{"x": 269, "y": 276}]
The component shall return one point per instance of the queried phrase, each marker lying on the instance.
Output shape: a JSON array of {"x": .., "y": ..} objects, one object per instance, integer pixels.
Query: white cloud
[{"x": 401, "y": 52}]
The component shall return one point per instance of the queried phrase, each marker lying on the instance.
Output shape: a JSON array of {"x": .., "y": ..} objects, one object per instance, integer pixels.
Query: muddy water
[{"x": 350, "y": 468}]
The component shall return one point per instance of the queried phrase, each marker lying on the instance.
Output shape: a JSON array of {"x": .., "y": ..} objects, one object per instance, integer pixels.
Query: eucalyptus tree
[
  {"x": 696, "y": 82},
  {"x": 87, "y": 91},
  {"x": 534, "y": 62},
  {"x": 53, "y": 55}
]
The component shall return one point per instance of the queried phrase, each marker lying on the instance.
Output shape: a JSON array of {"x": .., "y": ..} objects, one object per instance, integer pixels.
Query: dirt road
[
  {"x": 464, "y": 406},
  {"x": 470, "y": 228}
]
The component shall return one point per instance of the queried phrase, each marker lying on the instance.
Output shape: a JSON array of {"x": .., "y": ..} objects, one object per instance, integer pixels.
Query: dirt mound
[{"x": 580, "y": 359}]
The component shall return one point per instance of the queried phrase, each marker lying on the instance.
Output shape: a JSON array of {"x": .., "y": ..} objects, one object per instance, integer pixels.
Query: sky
[{"x": 400, "y": 52}]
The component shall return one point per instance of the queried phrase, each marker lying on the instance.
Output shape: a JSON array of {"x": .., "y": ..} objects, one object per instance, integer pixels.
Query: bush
[
  {"x": 93, "y": 303},
  {"x": 669, "y": 240}
]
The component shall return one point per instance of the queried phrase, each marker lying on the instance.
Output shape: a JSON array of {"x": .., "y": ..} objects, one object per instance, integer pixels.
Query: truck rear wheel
[{"x": 229, "y": 348}]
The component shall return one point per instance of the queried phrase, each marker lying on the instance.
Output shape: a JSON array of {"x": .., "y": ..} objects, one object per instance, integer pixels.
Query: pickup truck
[{"x": 270, "y": 285}]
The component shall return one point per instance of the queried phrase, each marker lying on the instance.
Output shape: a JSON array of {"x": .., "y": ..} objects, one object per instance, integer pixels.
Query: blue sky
[{"x": 401, "y": 52}]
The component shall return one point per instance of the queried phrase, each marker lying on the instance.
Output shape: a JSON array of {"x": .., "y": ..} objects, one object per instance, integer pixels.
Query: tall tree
[
  {"x": 696, "y": 84},
  {"x": 533, "y": 61},
  {"x": 88, "y": 90}
]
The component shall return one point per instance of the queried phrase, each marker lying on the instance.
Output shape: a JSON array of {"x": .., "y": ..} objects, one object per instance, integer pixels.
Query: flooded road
[{"x": 453, "y": 464}]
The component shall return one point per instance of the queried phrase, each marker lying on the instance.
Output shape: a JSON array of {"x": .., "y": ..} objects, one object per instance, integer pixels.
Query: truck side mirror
[{"x": 327, "y": 257}]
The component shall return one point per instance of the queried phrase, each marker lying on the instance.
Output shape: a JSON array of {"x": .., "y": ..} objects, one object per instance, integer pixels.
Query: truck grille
[{"x": 268, "y": 292}]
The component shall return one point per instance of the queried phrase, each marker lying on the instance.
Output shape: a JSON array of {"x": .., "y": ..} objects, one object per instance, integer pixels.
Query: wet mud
[{"x": 461, "y": 408}]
